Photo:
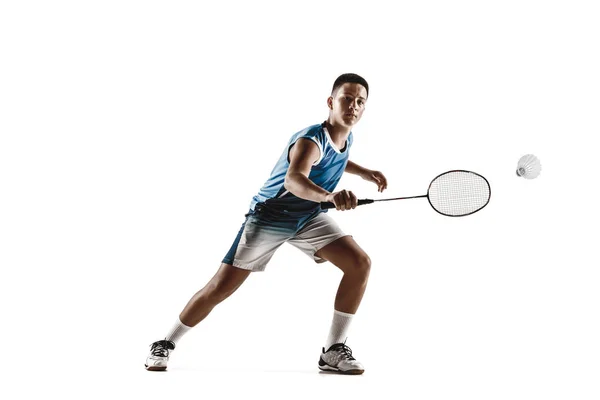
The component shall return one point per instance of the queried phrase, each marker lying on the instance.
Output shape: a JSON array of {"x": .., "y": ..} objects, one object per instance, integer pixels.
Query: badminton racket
[{"x": 454, "y": 193}]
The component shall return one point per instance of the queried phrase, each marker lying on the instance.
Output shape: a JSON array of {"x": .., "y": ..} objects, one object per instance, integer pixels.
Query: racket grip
[{"x": 327, "y": 205}]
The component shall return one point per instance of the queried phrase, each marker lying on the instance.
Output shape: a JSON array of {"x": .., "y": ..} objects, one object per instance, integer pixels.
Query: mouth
[{"x": 350, "y": 115}]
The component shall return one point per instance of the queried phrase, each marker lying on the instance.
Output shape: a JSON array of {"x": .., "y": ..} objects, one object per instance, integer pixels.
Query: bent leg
[
  {"x": 226, "y": 281},
  {"x": 347, "y": 255},
  {"x": 355, "y": 264}
]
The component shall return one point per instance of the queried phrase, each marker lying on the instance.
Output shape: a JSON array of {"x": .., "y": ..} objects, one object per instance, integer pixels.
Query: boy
[{"x": 287, "y": 209}]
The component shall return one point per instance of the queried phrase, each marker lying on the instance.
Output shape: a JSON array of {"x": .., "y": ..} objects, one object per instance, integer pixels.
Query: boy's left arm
[{"x": 376, "y": 177}]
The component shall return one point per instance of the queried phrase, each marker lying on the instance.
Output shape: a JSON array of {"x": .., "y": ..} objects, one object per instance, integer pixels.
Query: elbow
[
  {"x": 290, "y": 183},
  {"x": 287, "y": 183}
]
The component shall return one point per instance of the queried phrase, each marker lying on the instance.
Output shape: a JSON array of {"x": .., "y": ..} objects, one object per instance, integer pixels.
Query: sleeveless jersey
[{"x": 325, "y": 172}]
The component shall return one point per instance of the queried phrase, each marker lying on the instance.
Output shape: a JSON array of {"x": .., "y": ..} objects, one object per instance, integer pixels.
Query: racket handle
[{"x": 327, "y": 205}]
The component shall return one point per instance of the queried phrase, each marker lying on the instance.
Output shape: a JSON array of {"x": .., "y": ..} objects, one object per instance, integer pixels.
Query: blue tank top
[{"x": 325, "y": 172}]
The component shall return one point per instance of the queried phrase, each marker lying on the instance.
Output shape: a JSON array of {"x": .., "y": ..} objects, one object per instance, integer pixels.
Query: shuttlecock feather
[{"x": 529, "y": 167}]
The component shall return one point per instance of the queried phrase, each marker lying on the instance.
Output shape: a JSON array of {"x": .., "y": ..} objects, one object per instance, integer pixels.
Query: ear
[{"x": 330, "y": 102}]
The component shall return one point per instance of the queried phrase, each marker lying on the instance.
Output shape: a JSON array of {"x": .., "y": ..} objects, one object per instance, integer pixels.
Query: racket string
[{"x": 458, "y": 193}]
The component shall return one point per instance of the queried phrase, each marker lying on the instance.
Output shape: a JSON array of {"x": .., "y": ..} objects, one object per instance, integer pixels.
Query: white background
[{"x": 134, "y": 134}]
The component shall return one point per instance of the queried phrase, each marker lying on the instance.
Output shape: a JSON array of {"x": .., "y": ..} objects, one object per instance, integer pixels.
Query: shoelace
[
  {"x": 161, "y": 348},
  {"x": 345, "y": 351}
]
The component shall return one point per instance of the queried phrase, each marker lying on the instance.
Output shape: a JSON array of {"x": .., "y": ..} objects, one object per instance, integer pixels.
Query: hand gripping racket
[{"x": 454, "y": 193}]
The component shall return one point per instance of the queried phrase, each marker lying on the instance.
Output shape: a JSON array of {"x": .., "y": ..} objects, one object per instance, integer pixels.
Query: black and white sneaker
[
  {"x": 159, "y": 355},
  {"x": 339, "y": 359}
]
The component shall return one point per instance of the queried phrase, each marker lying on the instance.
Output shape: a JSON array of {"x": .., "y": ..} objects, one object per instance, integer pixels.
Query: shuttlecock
[{"x": 529, "y": 167}]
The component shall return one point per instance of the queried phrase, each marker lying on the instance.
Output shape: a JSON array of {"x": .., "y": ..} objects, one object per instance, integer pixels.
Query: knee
[
  {"x": 222, "y": 287},
  {"x": 219, "y": 290},
  {"x": 362, "y": 264}
]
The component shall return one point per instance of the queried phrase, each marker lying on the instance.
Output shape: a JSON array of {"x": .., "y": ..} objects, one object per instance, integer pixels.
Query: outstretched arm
[{"x": 376, "y": 177}]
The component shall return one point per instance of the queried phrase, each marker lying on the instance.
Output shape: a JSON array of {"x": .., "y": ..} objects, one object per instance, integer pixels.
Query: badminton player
[{"x": 287, "y": 209}]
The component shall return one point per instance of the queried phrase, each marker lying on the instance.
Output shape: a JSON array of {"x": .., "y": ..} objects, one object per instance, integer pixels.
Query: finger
[
  {"x": 336, "y": 201},
  {"x": 343, "y": 197},
  {"x": 348, "y": 199},
  {"x": 353, "y": 200},
  {"x": 383, "y": 182}
]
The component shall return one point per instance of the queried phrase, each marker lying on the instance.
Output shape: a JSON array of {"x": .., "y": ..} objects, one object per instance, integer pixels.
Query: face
[{"x": 347, "y": 104}]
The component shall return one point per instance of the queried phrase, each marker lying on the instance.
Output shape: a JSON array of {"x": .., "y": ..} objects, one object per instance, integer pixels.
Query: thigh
[
  {"x": 345, "y": 254},
  {"x": 316, "y": 234},
  {"x": 255, "y": 243}
]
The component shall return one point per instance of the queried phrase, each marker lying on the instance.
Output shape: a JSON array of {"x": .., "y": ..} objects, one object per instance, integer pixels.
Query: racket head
[{"x": 458, "y": 193}]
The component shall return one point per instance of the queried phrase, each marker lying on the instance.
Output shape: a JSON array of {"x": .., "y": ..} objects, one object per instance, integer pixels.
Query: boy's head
[
  {"x": 349, "y": 78},
  {"x": 348, "y": 99}
]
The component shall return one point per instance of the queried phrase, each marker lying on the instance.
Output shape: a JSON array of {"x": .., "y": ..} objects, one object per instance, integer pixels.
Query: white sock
[
  {"x": 339, "y": 328},
  {"x": 178, "y": 330}
]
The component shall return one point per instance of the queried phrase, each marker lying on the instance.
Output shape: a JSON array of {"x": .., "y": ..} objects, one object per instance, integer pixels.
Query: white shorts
[{"x": 262, "y": 233}]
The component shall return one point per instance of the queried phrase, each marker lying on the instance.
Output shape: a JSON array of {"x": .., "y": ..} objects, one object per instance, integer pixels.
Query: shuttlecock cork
[{"x": 529, "y": 167}]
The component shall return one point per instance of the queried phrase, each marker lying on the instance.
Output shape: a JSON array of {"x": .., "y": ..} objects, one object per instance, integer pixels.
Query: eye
[{"x": 361, "y": 103}]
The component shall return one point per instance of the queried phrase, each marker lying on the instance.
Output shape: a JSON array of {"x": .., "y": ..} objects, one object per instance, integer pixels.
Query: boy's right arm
[{"x": 303, "y": 154}]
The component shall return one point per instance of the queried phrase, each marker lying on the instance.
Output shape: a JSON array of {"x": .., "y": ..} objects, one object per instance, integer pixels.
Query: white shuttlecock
[{"x": 529, "y": 167}]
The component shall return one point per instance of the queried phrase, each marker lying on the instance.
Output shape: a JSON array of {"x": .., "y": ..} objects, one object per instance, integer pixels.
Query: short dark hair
[{"x": 350, "y": 78}]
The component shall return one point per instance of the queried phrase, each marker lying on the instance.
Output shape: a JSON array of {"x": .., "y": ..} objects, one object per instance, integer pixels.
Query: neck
[{"x": 338, "y": 133}]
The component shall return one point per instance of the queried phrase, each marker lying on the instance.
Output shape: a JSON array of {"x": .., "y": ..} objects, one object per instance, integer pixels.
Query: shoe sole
[
  {"x": 338, "y": 371},
  {"x": 323, "y": 366},
  {"x": 155, "y": 368}
]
